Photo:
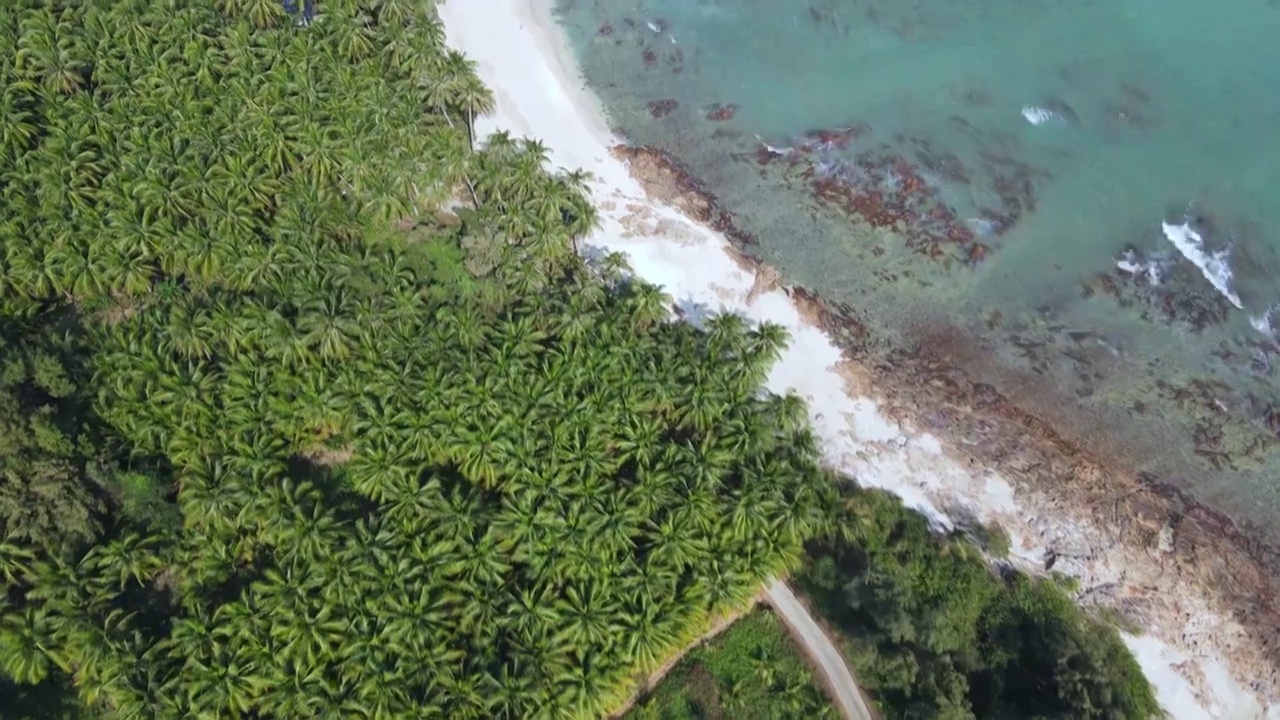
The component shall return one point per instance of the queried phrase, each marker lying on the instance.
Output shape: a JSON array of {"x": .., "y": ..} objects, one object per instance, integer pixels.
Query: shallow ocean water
[{"x": 1001, "y": 170}]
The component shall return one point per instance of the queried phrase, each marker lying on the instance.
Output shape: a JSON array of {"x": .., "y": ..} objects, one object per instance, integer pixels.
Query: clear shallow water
[{"x": 947, "y": 207}]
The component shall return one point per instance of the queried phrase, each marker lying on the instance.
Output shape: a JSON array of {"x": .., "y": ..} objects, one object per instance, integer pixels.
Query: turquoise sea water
[{"x": 883, "y": 153}]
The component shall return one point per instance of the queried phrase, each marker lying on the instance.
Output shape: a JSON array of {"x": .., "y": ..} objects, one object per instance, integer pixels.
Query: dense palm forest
[
  {"x": 270, "y": 456},
  {"x": 309, "y": 407}
]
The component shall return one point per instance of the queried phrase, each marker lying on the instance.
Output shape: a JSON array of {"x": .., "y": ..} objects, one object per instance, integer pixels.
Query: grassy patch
[{"x": 752, "y": 670}]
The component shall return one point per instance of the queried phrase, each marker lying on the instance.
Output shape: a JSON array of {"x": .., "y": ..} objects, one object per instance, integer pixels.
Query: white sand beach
[{"x": 523, "y": 57}]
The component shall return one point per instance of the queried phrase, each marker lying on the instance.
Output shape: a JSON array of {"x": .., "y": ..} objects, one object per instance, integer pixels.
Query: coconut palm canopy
[
  {"x": 309, "y": 408},
  {"x": 285, "y": 439}
]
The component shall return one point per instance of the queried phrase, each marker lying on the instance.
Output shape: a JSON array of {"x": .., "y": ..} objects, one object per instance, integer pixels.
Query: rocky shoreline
[{"x": 1165, "y": 563}]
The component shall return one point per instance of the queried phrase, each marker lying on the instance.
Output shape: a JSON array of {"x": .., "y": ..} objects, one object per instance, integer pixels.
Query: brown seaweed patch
[
  {"x": 1107, "y": 285},
  {"x": 1227, "y": 430},
  {"x": 605, "y": 30},
  {"x": 997, "y": 222},
  {"x": 661, "y": 108},
  {"x": 887, "y": 188},
  {"x": 762, "y": 155},
  {"x": 1271, "y": 419},
  {"x": 887, "y": 191},
  {"x": 1014, "y": 183},
  {"x": 976, "y": 253},
  {"x": 1198, "y": 310},
  {"x": 720, "y": 113},
  {"x": 1208, "y": 441},
  {"x": 962, "y": 124},
  {"x": 649, "y": 57}
]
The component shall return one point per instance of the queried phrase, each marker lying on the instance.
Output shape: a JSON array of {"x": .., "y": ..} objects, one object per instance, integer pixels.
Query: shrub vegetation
[
  {"x": 933, "y": 631},
  {"x": 752, "y": 671}
]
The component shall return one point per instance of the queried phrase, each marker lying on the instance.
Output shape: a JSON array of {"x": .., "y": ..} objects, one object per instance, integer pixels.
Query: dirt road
[{"x": 835, "y": 673}]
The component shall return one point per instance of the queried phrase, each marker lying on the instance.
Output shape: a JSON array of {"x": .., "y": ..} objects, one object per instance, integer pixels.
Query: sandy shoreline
[{"x": 1203, "y": 663}]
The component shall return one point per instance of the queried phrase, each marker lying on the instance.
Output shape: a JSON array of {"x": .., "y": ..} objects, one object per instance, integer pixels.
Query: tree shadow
[
  {"x": 337, "y": 493},
  {"x": 693, "y": 312},
  {"x": 593, "y": 255},
  {"x": 53, "y": 699}
]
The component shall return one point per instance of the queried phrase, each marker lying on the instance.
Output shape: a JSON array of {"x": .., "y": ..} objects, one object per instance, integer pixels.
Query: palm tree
[
  {"x": 476, "y": 99},
  {"x": 587, "y": 687},
  {"x": 588, "y": 616},
  {"x": 26, "y": 638},
  {"x": 15, "y": 560},
  {"x": 223, "y": 685},
  {"x": 211, "y": 506},
  {"x": 127, "y": 558},
  {"x": 485, "y": 563},
  {"x": 398, "y": 13},
  {"x": 51, "y": 52},
  {"x": 674, "y": 545},
  {"x": 19, "y": 128},
  {"x": 514, "y": 691},
  {"x": 649, "y": 305},
  {"x": 307, "y": 539},
  {"x": 441, "y": 82}
]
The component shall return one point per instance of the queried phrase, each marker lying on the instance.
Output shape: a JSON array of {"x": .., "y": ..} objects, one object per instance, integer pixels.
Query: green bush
[
  {"x": 751, "y": 671},
  {"x": 935, "y": 633}
]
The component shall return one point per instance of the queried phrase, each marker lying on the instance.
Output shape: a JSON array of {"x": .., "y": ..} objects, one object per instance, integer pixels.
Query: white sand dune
[{"x": 522, "y": 55}]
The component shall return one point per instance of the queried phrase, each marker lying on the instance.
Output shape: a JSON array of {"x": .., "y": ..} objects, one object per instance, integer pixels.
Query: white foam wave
[
  {"x": 1038, "y": 115},
  {"x": 983, "y": 226},
  {"x": 774, "y": 150},
  {"x": 1262, "y": 323},
  {"x": 1213, "y": 266},
  {"x": 1131, "y": 264}
]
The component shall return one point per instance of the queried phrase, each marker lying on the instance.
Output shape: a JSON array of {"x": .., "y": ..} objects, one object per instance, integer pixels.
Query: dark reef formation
[
  {"x": 1178, "y": 295},
  {"x": 898, "y": 187},
  {"x": 668, "y": 180}
]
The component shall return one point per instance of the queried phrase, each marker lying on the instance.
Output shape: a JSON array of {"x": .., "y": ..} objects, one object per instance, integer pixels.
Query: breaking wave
[
  {"x": 1039, "y": 116},
  {"x": 1214, "y": 266}
]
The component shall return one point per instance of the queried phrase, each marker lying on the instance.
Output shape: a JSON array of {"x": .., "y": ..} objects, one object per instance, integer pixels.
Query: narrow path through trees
[{"x": 835, "y": 672}]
